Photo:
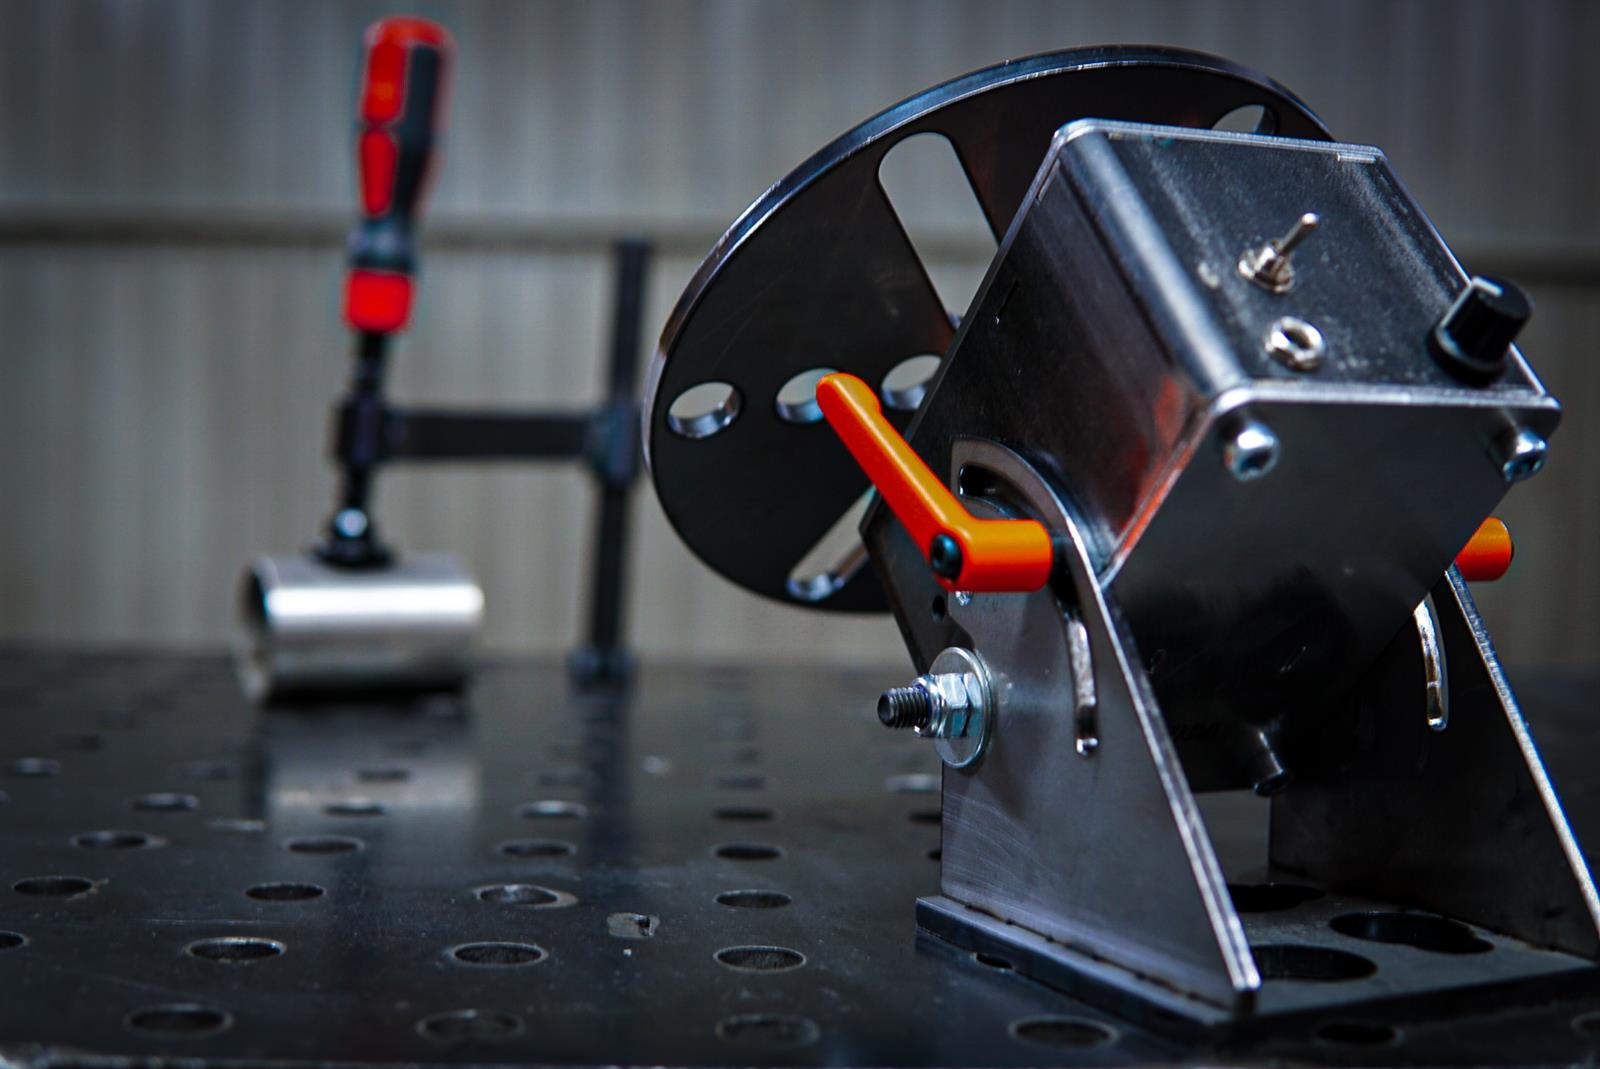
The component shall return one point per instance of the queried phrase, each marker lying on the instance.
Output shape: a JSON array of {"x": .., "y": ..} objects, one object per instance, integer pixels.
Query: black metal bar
[
  {"x": 605, "y": 660},
  {"x": 351, "y": 538},
  {"x": 423, "y": 434}
]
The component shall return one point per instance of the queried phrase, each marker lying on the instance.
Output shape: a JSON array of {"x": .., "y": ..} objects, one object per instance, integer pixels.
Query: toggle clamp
[{"x": 352, "y": 615}]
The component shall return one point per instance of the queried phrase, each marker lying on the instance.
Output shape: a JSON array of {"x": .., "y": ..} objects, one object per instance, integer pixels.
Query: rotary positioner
[{"x": 1187, "y": 506}]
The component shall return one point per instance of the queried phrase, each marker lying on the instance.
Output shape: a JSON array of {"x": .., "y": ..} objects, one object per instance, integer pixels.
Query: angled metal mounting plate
[
  {"x": 1106, "y": 854},
  {"x": 1462, "y": 821}
]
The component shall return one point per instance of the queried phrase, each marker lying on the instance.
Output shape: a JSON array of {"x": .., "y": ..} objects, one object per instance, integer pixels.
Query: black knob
[{"x": 1473, "y": 338}]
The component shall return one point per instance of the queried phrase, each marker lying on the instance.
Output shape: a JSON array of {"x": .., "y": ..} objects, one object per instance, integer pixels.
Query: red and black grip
[{"x": 400, "y": 109}]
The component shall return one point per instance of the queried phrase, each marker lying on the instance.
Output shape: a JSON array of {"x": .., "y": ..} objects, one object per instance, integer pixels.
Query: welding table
[{"x": 715, "y": 868}]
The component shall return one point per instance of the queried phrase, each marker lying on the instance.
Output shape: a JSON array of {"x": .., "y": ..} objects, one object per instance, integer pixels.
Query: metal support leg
[{"x": 604, "y": 659}]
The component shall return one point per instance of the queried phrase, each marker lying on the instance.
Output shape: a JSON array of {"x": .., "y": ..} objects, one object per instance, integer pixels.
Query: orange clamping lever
[
  {"x": 965, "y": 552},
  {"x": 998, "y": 556}
]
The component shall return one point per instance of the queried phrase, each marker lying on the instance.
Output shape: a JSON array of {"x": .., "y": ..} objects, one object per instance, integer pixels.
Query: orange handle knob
[
  {"x": 965, "y": 552},
  {"x": 1487, "y": 554}
]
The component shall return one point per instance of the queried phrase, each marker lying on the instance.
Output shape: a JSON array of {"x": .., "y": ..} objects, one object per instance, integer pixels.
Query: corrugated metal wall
[{"x": 174, "y": 178}]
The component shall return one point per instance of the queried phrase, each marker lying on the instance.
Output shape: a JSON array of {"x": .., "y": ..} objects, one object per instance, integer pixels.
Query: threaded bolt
[{"x": 905, "y": 707}]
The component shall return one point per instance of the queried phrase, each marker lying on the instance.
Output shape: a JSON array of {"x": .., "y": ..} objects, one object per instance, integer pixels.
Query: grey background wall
[{"x": 175, "y": 178}]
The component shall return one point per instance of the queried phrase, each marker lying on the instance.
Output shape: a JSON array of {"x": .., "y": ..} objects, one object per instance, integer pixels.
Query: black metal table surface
[{"x": 717, "y": 869}]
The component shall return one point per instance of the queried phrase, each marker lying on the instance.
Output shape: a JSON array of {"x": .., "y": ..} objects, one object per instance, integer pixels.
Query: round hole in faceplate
[
  {"x": 1356, "y": 1033},
  {"x": 499, "y": 955},
  {"x": 566, "y": 777},
  {"x": 906, "y": 384},
  {"x": 53, "y": 886},
  {"x": 464, "y": 1026},
  {"x": 760, "y": 958},
  {"x": 524, "y": 895},
  {"x": 1421, "y": 930},
  {"x": 12, "y": 940},
  {"x": 1292, "y": 961},
  {"x": 993, "y": 961},
  {"x": 178, "y": 1019},
  {"x": 165, "y": 802},
  {"x": 109, "y": 839},
  {"x": 1063, "y": 1032},
  {"x": 34, "y": 767},
  {"x": 534, "y": 848},
  {"x": 235, "y": 949},
  {"x": 285, "y": 892},
  {"x": 1270, "y": 897},
  {"x": 207, "y": 771},
  {"x": 740, "y": 781},
  {"x": 83, "y": 742},
  {"x": 703, "y": 410},
  {"x": 552, "y": 809},
  {"x": 355, "y": 807},
  {"x": 754, "y": 899},
  {"x": 797, "y": 399},
  {"x": 743, "y": 813},
  {"x": 323, "y": 844},
  {"x": 741, "y": 755},
  {"x": 768, "y": 1030},
  {"x": 748, "y": 852}
]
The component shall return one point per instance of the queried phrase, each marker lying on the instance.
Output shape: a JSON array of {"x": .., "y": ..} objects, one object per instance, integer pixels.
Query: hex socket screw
[
  {"x": 1249, "y": 449},
  {"x": 1521, "y": 453}
]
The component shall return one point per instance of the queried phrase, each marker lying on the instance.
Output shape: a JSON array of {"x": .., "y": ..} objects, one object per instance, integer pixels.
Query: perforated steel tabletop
[{"x": 718, "y": 869}]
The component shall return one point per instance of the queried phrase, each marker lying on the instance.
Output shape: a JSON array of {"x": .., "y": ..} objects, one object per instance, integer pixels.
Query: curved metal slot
[
  {"x": 928, "y": 188},
  {"x": 835, "y": 559}
]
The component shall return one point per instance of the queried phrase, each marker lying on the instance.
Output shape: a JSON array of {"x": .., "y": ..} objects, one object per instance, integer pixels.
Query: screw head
[
  {"x": 944, "y": 557},
  {"x": 1250, "y": 450},
  {"x": 1523, "y": 453}
]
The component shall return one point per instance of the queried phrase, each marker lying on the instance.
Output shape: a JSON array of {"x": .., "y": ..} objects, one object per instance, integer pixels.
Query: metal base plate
[
  {"x": 718, "y": 869},
  {"x": 1321, "y": 955}
]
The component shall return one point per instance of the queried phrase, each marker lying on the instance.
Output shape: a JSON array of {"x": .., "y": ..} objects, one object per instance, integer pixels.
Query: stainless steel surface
[
  {"x": 1052, "y": 842},
  {"x": 307, "y": 626},
  {"x": 820, "y": 271},
  {"x": 1130, "y": 369}
]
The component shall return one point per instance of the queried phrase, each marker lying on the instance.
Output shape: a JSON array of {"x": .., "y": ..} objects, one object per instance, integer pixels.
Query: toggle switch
[{"x": 1271, "y": 266}]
